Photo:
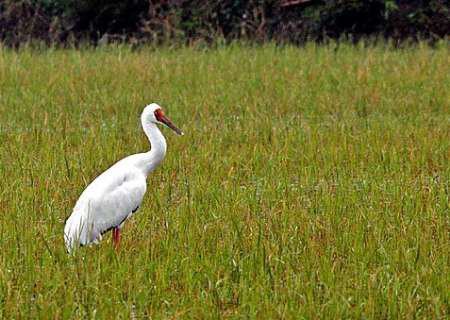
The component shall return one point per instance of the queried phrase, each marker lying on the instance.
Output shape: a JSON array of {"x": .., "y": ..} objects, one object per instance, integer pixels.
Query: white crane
[{"x": 117, "y": 193}]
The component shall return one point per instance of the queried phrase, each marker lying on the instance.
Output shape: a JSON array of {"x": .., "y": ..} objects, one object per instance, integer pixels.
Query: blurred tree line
[{"x": 294, "y": 21}]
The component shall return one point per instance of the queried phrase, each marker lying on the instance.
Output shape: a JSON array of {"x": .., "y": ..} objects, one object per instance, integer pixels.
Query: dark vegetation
[{"x": 294, "y": 21}]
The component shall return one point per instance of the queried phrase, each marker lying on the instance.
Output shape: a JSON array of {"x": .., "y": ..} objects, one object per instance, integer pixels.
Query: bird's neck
[{"x": 150, "y": 160}]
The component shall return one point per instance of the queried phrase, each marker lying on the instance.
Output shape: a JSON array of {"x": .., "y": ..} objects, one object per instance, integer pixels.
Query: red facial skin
[{"x": 159, "y": 115}]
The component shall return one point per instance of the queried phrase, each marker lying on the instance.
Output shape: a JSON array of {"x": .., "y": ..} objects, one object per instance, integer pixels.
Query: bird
[{"x": 117, "y": 193}]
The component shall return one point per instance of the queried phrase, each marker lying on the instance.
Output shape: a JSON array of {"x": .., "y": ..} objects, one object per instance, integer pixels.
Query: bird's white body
[{"x": 117, "y": 193}]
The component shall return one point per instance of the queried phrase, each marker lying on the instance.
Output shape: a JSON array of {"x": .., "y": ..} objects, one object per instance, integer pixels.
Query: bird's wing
[
  {"x": 105, "y": 204},
  {"x": 113, "y": 206}
]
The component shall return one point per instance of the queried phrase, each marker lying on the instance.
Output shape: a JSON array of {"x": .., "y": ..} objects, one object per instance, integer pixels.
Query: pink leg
[{"x": 116, "y": 237}]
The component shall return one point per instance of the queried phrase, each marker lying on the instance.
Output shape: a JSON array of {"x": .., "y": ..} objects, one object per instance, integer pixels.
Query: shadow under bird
[{"x": 116, "y": 194}]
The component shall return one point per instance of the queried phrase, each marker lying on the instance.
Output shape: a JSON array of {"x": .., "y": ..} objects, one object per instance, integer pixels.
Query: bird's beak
[{"x": 170, "y": 124}]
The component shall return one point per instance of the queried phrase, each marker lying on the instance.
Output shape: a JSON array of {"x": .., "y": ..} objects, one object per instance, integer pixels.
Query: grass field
[{"x": 311, "y": 183}]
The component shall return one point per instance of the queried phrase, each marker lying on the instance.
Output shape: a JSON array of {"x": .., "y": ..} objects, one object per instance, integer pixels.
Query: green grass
[{"x": 311, "y": 183}]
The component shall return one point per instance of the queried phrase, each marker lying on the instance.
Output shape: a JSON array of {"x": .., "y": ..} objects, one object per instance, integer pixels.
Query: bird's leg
[{"x": 116, "y": 237}]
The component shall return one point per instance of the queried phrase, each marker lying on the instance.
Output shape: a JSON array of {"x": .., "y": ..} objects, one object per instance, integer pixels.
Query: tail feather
[{"x": 79, "y": 232}]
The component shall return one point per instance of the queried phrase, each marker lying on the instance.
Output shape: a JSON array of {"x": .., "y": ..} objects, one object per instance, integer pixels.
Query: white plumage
[{"x": 117, "y": 193}]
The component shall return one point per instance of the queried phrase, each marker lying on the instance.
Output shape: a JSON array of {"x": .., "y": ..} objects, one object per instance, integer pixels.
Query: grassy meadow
[{"x": 311, "y": 182}]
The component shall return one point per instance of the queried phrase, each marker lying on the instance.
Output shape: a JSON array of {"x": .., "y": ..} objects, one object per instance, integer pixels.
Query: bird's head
[{"x": 153, "y": 113}]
